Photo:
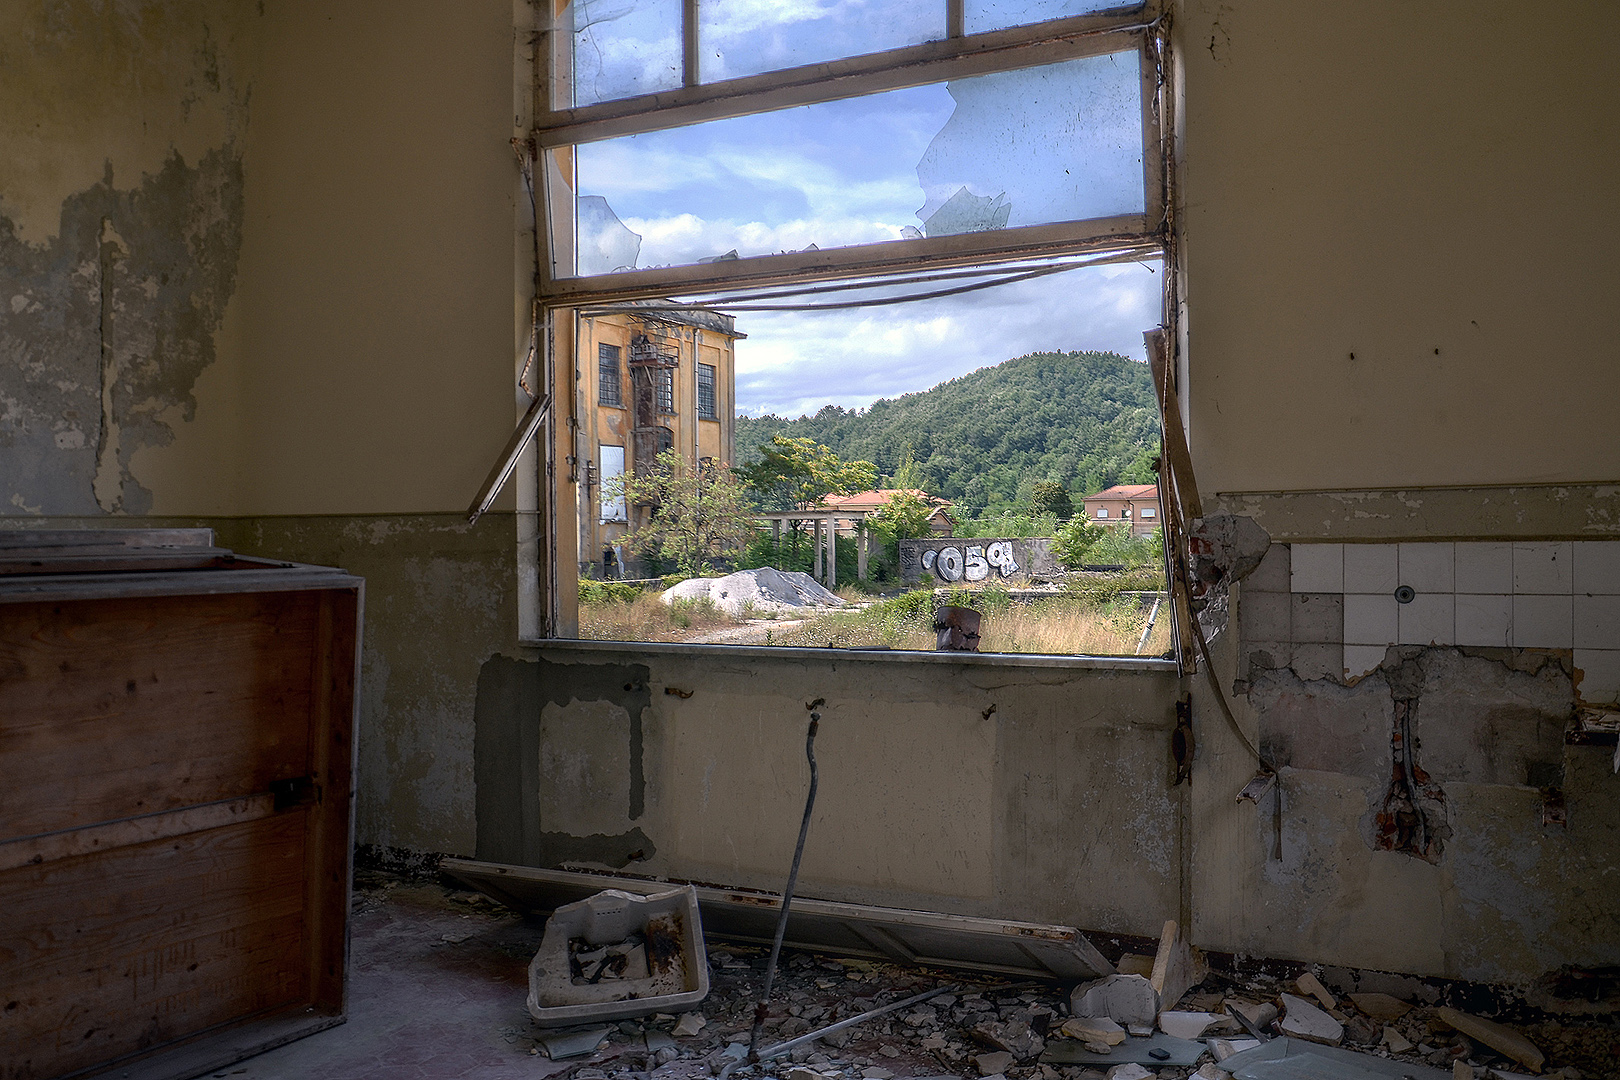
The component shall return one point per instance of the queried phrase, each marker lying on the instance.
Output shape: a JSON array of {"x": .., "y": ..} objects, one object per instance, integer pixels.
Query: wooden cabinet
[{"x": 176, "y": 801}]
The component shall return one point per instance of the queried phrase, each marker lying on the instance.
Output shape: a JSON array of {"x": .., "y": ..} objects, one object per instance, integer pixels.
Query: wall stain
[{"x": 105, "y": 329}]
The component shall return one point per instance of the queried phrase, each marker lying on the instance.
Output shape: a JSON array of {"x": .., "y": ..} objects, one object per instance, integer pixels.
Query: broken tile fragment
[
  {"x": 1303, "y": 1020},
  {"x": 1311, "y": 986},
  {"x": 1128, "y": 999},
  {"x": 688, "y": 1025},
  {"x": 1101, "y": 1029},
  {"x": 1186, "y": 1025},
  {"x": 1396, "y": 1042},
  {"x": 1259, "y": 1015},
  {"x": 1130, "y": 1072},
  {"x": 1381, "y": 1006},
  {"x": 990, "y": 1064},
  {"x": 875, "y": 1073},
  {"x": 1221, "y": 1049},
  {"x": 799, "y": 1072},
  {"x": 1503, "y": 1040}
]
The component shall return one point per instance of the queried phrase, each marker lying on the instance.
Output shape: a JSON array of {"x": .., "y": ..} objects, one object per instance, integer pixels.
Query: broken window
[{"x": 702, "y": 164}]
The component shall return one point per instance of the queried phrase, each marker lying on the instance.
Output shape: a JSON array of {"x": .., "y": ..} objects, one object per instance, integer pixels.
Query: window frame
[
  {"x": 558, "y": 128},
  {"x": 709, "y": 409},
  {"x": 602, "y": 361},
  {"x": 557, "y": 301}
]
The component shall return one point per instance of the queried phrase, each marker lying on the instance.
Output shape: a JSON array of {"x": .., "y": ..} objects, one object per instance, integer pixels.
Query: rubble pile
[{"x": 987, "y": 1028}]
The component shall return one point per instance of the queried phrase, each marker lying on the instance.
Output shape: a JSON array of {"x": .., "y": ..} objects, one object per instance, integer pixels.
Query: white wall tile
[
  {"x": 1597, "y": 622},
  {"x": 1360, "y": 659},
  {"x": 1316, "y": 568},
  {"x": 1430, "y": 619},
  {"x": 1597, "y": 566},
  {"x": 1600, "y": 675},
  {"x": 1543, "y": 568},
  {"x": 1484, "y": 568},
  {"x": 1484, "y": 620},
  {"x": 1371, "y": 619},
  {"x": 1371, "y": 568},
  {"x": 1428, "y": 567},
  {"x": 1542, "y": 622}
]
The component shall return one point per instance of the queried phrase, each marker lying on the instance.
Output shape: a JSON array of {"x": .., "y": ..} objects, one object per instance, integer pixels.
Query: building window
[
  {"x": 1102, "y": 511},
  {"x": 664, "y": 382},
  {"x": 1148, "y": 511},
  {"x": 607, "y": 376},
  {"x": 706, "y": 407},
  {"x": 666, "y": 439}
]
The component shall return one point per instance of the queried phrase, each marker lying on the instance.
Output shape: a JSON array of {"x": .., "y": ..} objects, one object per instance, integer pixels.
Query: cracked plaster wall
[{"x": 121, "y": 211}]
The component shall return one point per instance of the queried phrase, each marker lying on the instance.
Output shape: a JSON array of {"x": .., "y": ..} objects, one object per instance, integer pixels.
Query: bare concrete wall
[{"x": 1022, "y": 792}]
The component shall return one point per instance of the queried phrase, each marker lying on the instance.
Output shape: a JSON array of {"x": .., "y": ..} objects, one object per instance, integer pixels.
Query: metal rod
[
  {"x": 871, "y": 1014},
  {"x": 787, "y": 894}
]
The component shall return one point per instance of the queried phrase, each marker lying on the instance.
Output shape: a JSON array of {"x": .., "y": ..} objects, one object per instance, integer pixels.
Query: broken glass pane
[
  {"x": 625, "y": 47},
  {"x": 1061, "y": 142},
  {"x": 982, "y": 15},
  {"x": 746, "y": 37}
]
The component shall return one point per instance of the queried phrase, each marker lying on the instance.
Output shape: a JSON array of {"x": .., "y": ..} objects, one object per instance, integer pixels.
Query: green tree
[
  {"x": 1074, "y": 539},
  {"x": 1051, "y": 497},
  {"x": 699, "y": 514},
  {"x": 909, "y": 476},
  {"x": 903, "y": 517},
  {"x": 796, "y": 473}
]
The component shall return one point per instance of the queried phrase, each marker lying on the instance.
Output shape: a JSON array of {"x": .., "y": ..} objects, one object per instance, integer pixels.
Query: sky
[{"x": 1055, "y": 143}]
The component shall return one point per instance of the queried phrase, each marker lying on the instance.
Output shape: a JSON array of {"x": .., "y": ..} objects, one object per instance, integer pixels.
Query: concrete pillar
[
  {"x": 860, "y": 548},
  {"x": 832, "y": 553},
  {"x": 776, "y": 542},
  {"x": 815, "y": 542}
]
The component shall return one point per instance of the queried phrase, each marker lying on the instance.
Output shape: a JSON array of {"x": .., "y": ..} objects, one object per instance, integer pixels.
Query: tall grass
[
  {"x": 1062, "y": 625},
  {"x": 647, "y": 618}
]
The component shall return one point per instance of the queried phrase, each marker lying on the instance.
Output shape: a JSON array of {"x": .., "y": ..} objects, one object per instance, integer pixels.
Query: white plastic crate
[{"x": 664, "y": 968}]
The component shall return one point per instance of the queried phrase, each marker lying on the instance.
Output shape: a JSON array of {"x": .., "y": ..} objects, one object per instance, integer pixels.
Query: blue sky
[{"x": 1061, "y": 142}]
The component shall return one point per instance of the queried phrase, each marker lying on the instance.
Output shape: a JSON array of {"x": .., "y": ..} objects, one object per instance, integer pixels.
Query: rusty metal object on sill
[
  {"x": 897, "y": 935},
  {"x": 957, "y": 629}
]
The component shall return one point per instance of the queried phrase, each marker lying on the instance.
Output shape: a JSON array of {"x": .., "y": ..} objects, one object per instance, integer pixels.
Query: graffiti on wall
[{"x": 954, "y": 561}]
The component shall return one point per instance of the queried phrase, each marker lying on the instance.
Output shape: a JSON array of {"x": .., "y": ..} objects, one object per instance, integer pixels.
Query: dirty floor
[{"x": 439, "y": 979}]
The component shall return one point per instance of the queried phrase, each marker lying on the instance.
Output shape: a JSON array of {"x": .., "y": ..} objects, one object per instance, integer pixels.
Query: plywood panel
[
  {"x": 125, "y": 950},
  {"x": 118, "y": 707}
]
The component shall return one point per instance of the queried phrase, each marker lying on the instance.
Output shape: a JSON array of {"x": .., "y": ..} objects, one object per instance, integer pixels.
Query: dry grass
[
  {"x": 1065, "y": 625},
  {"x": 647, "y": 618}
]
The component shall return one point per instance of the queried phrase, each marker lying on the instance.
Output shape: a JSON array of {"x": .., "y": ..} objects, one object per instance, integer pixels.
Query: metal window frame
[
  {"x": 553, "y": 131},
  {"x": 712, "y": 411},
  {"x": 602, "y": 361},
  {"x": 558, "y": 128}
]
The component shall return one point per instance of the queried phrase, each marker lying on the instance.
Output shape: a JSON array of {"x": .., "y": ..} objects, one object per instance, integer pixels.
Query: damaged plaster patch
[{"x": 109, "y": 325}]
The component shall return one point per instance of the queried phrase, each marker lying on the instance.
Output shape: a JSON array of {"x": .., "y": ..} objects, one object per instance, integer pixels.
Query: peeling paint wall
[{"x": 121, "y": 209}]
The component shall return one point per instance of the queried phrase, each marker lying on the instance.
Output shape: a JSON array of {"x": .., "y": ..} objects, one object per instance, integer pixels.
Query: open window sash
[{"x": 561, "y": 133}]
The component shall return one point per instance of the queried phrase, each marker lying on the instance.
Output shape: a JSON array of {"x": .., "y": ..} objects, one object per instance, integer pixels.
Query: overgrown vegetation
[
  {"x": 701, "y": 514},
  {"x": 611, "y": 616},
  {"x": 1085, "y": 420}
]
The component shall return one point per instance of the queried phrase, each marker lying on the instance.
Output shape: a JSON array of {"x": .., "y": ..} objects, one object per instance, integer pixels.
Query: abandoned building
[
  {"x": 658, "y": 382},
  {"x": 294, "y": 271},
  {"x": 1136, "y": 505}
]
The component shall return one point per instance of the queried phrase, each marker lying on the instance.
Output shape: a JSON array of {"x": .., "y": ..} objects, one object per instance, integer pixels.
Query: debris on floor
[{"x": 991, "y": 1025}]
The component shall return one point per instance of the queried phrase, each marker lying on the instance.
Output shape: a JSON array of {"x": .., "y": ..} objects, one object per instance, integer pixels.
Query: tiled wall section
[{"x": 1333, "y": 609}]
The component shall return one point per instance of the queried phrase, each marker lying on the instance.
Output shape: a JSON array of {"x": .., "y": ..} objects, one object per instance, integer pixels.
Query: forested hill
[{"x": 1084, "y": 419}]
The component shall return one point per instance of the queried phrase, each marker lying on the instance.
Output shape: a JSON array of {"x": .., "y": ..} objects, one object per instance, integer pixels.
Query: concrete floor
[{"x": 437, "y": 987}]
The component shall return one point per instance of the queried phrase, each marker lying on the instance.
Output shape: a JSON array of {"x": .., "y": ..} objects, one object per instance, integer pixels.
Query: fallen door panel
[{"x": 860, "y": 930}]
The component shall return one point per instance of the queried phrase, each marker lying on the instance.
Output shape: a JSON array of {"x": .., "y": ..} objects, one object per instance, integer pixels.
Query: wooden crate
[{"x": 176, "y": 801}]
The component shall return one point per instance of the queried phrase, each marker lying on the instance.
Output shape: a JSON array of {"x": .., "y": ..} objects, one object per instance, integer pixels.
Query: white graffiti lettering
[
  {"x": 1000, "y": 556},
  {"x": 928, "y": 559},
  {"x": 949, "y": 564},
  {"x": 977, "y": 568}
]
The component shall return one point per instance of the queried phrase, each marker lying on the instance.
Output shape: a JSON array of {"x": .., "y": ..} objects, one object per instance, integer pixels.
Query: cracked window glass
[
  {"x": 981, "y": 15},
  {"x": 747, "y": 37},
  {"x": 623, "y": 48},
  {"x": 1056, "y": 143}
]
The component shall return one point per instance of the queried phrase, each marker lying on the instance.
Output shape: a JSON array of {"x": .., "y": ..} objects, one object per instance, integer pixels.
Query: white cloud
[{"x": 794, "y": 363}]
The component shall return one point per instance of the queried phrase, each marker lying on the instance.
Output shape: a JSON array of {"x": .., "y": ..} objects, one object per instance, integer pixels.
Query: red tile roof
[
  {"x": 1133, "y": 492},
  {"x": 871, "y": 500}
]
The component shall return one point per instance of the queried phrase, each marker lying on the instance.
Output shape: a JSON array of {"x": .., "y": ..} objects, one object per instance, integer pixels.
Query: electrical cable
[{"x": 787, "y": 894}]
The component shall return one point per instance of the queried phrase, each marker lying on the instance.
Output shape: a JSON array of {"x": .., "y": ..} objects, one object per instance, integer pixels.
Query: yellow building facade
[{"x": 647, "y": 383}]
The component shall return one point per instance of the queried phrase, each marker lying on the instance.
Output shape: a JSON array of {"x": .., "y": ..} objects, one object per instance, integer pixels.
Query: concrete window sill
[{"x": 1142, "y": 665}]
